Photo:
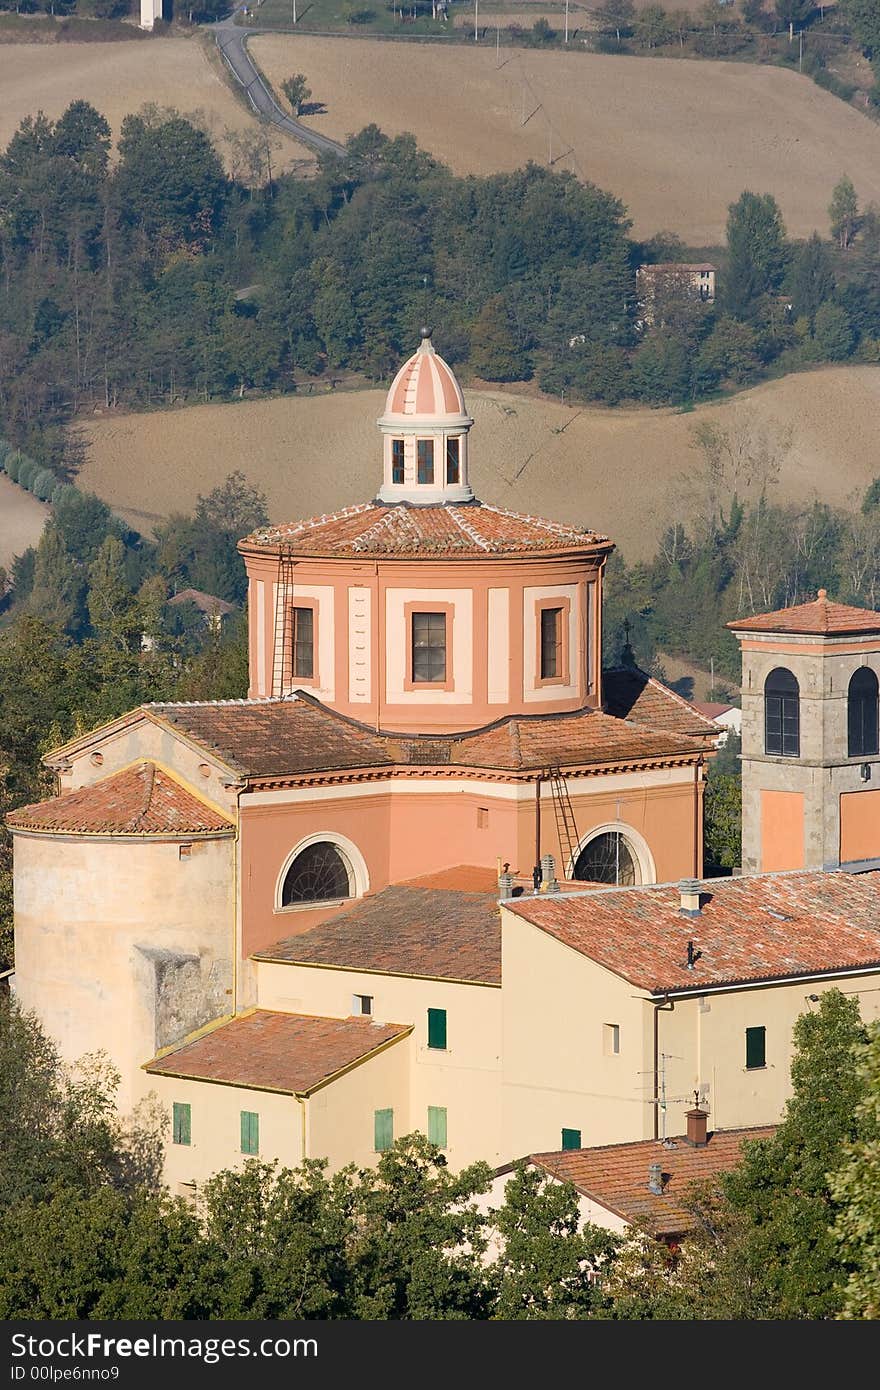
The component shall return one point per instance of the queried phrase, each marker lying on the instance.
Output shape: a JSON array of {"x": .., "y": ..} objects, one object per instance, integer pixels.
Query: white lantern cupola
[{"x": 425, "y": 433}]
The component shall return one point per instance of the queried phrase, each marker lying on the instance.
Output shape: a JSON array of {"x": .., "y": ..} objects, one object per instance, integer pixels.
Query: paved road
[{"x": 232, "y": 40}]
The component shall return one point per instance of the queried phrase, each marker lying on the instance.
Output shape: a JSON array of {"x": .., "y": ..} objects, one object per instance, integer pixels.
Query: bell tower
[{"x": 810, "y": 750}]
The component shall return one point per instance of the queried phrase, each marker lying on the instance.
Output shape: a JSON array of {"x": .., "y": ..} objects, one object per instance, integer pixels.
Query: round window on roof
[
  {"x": 319, "y": 873},
  {"x": 608, "y": 858}
]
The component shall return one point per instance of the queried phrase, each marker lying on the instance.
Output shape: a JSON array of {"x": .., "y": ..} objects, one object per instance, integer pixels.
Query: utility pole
[
  {"x": 800, "y": 50},
  {"x": 497, "y": 47},
  {"x": 476, "y": 20},
  {"x": 566, "y": 21}
]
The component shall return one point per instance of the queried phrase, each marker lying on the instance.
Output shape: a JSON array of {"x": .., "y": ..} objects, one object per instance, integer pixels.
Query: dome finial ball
[{"x": 425, "y": 332}]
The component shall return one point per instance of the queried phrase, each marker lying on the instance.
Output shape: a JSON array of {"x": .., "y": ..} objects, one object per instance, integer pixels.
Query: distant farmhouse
[{"x": 658, "y": 286}]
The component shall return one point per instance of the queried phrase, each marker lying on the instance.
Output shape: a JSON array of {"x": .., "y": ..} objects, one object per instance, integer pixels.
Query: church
[{"x": 291, "y": 915}]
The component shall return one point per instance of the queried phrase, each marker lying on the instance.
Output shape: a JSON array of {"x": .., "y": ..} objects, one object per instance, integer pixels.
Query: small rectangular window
[
  {"x": 184, "y": 851},
  {"x": 482, "y": 817},
  {"x": 426, "y": 460},
  {"x": 756, "y": 1048},
  {"x": 437, "y": 1125},
  {"x": 453, "y": 460},
  {"x": 611, "y": 1034},
  {"x": 304, "y": 643},
  {"x": 181, "y": 1123},
  {"x": 551, "y": 643},
  {"x": 250, "y": 1132},
  {"x": 571, "y": 1139},
  {"x": 362, "y": 1004},
  {"x": 429, "y": 647},
  {"x": 397, "y": 474},
  {"x": 437, "y": 1028},
  {"x": 383, "y": 1130}
]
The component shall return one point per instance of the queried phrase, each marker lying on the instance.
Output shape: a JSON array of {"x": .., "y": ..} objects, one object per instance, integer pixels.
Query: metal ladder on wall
[
  {"x": 282, "y": 648},
  {"x": 566, "y": 829}
]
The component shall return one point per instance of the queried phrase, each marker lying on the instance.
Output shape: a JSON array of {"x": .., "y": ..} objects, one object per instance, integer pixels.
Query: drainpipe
[
  {"x": 302, "y": 1111},
  {"x": 538, "y": 818},
  {"x": 667, "y": 1005},
  {"x": 379, "y": 650},
  {"x": 698, "y": 868}
]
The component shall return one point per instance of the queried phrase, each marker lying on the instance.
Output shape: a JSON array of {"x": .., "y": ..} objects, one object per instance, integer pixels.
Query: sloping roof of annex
[
  {"x": 141, "y": 801},
  {"x": 271, "y": 1051},
  {"x": 751, "y": 930},
  {"x": 296, "y": 736}
]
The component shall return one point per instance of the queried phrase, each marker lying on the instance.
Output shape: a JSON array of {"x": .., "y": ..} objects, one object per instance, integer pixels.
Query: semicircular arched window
[
  {"x": 608, "y": 858},
  {"x": 319, "y": 873},
  {"x": 782, "y": 714},
  {"x": 861, "y": 710}
]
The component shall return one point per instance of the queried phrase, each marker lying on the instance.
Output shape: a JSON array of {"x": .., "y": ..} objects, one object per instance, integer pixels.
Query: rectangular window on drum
[
  {"x": 397, "y": 460},
  {"x": 429, "y": 647},
  {"x": 551, "y": 643},
  {"x": 426, "y": 461},
  {"x": 304, "y": 643},
  {"x": 756, "y": 1048},
  {"x": 453, "y": 461}
]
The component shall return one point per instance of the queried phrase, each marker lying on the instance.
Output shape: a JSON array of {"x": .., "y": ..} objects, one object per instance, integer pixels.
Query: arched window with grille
[
  {"x": 608, "y": 858},
  {"x": 782, "y": 714},
  {"x": 319, "y": 873},
  {"x": 861, "y": 713}
]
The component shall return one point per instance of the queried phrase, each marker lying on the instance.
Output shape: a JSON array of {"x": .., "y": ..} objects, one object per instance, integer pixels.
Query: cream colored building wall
[
  {"x": 465, "y": 1078},
  {"x": 557, "y": 1071},
  {"x": 145, "y": 739},
  {"x": 705, "y": 1043},
  {"x": 84, "y": 907},
  {"x": 215, "y": 1127},
  {"x": 341, "y": 1116},
  {"x": 590, "y": 1212},
  {"x": 397, "y": 638}
]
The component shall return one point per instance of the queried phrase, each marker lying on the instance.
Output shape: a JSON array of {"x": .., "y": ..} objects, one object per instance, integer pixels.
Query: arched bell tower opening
[{"x": 425, "y": 433}]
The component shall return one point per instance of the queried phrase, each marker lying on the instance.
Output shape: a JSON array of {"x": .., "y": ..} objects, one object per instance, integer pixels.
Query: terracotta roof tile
[
  {"x": 616, "y": 1175},
  {"x": 473, "y": 528},
  {"x": 299, "y": 735},
  {"x": 139, "y": 800},
  {"x": 632, "y": 694},
  {"x": 206, "y": 603},
  {"x": 760, "y": 927},
  {"x": 277, "y": 1052},
  {"x": 821, "y": 617},
  {"x": 432, "y": 933}
]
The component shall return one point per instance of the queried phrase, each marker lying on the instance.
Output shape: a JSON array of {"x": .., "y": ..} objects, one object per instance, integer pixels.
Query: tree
[
  {"x": 297, "y": 91},
  {"x": 722, "y": 812},
  {"x": 59, "y": 585},
  {"x": 616, "y": 17},
  {"x": 794, "y": 11},
  {"x": 548, "y": 1261},
  {"x": 495, "y": 355},
  {"x": 756, "y": 252},
  {"x": 652, "y": 27},
  {"x": 864, "y": 16},
  {"x": 855, "y": 1188},
  {"x": 110, "y": 600},
  {"x": 843, "y": 211},
  {"x": 782, "y": 1186},
  {"x": 235, "y": 506},
  {"x": 832, "y": 333},
  {"x": 810, "y": 278}
]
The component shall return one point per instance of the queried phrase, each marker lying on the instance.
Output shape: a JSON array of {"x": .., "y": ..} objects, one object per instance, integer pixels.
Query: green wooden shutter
[
  {"x": 571, "y": 1139},
  {"x": 756, "y": 1047},
  {"x": 181, "y": 1123},
  {"x": 437, "y": 1028},
  {"x": 437, "y": 1125},
  {"x": 250, "y": 1132},
  {"x": 383, "y": 1130}
]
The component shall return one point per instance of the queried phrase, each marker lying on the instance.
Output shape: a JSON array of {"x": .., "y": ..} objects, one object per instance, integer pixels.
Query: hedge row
[{"x": 25, "y": 471}]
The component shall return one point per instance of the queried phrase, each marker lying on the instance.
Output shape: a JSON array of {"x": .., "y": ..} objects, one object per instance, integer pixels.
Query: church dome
[{"x": 425, "y": 388}]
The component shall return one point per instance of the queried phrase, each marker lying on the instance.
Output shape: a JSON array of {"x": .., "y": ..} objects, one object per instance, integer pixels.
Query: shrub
[
  {"x": 13, "y": 464},
  {"x": 5, "y": 451},
  {"x": 27, "y": 472},
  {"x": 43, "y": 484}
]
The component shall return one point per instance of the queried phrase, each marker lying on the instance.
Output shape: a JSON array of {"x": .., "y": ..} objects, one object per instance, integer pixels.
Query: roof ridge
[{"x": 474, "y": 535}]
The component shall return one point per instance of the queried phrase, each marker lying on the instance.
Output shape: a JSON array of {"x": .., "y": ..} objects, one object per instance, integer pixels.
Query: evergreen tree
[
  {"x": 495, "y": 355},
  {"x": 59, "y": 585},
  {"x": 844, "y": 211},
  {"x": 110, "y": 600},
  {"x": 756, "y": 252},
  {"x": 810, "y": 278},
  {"x": 832, "y": 333}
]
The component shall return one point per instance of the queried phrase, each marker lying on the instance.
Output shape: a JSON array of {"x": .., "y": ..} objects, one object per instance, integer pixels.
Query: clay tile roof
[
  {"x": 206, "y": 603},
  {"x": 291, "y": 1053},
  {"x": 473, "y": 528},
  {"x": 568, "y": 740},
  {"x": 821, "y": 617},
  {"x": 712, "y": 709},
  {"x": 760, "y": 927},
  {"x": 629, "y": 693},
  {"x": 263, "y": 738},
  {"x": 442, "y": 933},
  {"x": 616, "y": 1175},
  {"x": 139, "y": 800}
]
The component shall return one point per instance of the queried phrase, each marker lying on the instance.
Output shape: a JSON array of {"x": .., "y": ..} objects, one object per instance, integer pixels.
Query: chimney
[
  {"x": 689, "y": 897},
  {"x": 548, "y": 874},
  {"x": 655, "y": 1179},
  {"x": 697, "y": 1135},
  {"x": 505, "y": 885}
]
